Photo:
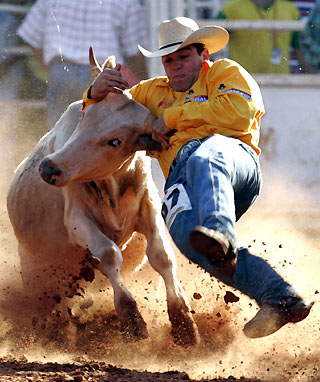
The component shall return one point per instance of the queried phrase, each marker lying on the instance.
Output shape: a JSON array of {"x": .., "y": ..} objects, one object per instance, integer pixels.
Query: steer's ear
[
  {"x": 145, "y": 142},
  {"x": 94, "y": 66}
]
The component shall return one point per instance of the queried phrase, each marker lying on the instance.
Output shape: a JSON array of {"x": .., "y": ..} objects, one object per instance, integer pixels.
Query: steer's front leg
[
  {"x": 163, "y": 260},
  {"x": 85, "y": 233},
  {"x": 133, "y": 326}
]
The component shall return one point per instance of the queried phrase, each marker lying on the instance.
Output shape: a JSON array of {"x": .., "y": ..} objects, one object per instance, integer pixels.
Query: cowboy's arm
[
  {"x": 158, "y": 129},
  {"x": 108, "y": 81}
]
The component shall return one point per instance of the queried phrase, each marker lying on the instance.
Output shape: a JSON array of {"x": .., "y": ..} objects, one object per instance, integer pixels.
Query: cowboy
[{"x": 208, "y": 122}]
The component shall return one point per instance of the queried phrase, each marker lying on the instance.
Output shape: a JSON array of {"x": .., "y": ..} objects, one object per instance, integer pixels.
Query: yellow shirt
[
  {"x": 224, "y": 100},
  {"x": 253, "y": 48}
]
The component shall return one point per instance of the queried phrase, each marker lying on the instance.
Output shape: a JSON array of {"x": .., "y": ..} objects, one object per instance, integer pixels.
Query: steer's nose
[{"x": 48, "y": 172}]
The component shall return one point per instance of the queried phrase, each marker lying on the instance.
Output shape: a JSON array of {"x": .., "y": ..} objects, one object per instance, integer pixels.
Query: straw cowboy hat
[{"x": 181, "y": 31}]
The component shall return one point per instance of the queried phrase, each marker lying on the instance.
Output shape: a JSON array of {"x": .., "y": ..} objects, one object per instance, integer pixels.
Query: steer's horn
[{"x": 94, "y": 66}]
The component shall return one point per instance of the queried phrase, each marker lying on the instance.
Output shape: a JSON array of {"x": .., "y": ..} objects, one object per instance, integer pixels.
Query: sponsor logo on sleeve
[
  {"x": 221, "y": 88},
  {"x": 240, "y": 92},
  {"x": 189, "y": 96},
  {"x": 201, "y": 98}
]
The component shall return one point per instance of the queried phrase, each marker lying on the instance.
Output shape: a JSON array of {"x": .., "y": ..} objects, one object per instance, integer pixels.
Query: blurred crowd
[
  {"x": 59, "y": 32},
  {"x": 44, "y": 53}
]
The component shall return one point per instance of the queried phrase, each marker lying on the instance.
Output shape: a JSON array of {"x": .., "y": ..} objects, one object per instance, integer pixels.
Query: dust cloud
[{"x": 88, "y": 328}]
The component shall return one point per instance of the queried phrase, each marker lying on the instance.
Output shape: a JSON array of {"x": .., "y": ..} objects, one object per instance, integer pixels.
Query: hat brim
[{"x": 213, "y": 37}]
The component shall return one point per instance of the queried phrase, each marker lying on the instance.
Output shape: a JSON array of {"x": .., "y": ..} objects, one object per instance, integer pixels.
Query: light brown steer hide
[{"x": 94, "y": 192}]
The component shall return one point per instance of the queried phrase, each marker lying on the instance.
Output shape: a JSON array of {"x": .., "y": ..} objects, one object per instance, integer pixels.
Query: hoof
[
  {"x": 184, "y": 330},
  {"x": 134, "y": 329}
]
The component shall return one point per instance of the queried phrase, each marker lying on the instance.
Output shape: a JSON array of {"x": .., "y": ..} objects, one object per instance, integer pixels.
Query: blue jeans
[
  {"x": 66, "y": 84},
  {"x": 213, "y": 184}
]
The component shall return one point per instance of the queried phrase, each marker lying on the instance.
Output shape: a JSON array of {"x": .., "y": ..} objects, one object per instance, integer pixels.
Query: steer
[{"x": 94, "y": 192}]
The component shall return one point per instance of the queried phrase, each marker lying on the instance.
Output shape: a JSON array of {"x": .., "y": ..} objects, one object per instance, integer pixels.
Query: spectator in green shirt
[{"x": 261, "y": 51}]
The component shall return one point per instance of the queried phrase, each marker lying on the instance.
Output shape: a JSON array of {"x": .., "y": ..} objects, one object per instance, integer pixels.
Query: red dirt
[
  {"x": 20, "y": 370},
  {"x": 87, "y": 346}
]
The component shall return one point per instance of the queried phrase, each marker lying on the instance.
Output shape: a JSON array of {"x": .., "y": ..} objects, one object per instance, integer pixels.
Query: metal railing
[
  {"x": 16, "y": 9},
  {"x": 280, "y": 25},
  {"x": 161, "y": 10}
]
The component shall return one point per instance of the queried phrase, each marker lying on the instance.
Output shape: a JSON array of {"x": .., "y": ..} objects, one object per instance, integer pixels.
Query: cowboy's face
[{"x": 183, "y": 67}]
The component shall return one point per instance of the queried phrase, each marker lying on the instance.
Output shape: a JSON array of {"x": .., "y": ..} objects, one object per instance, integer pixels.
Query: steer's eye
[{"x": 115, "y": 142}]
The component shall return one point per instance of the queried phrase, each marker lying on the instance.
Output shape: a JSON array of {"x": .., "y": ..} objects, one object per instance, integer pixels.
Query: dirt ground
[{"x": 90, "y": 348}]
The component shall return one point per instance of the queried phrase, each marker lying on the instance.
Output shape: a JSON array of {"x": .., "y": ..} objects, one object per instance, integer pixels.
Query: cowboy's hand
[
  {"x": 108, "y": 81},
  {"x": 160, "y": 132}
]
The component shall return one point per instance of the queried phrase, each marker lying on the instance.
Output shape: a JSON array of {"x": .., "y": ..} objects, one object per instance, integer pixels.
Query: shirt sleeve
[
  {"x": 32, "y": 28},
  {"x": 230, "y": 102},
  {"x": 134, "y": 29},
  {"x": 86, "y": 101}
]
